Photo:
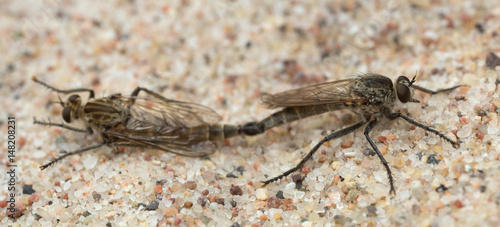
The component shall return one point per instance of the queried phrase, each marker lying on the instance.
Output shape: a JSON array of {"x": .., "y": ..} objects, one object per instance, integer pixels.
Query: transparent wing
[
  {"x": 169, "y": 125},
  {"x": 330, "y": 92},
  {"x": 154, "y": 111},
  {"x": 181, "y": 141}
]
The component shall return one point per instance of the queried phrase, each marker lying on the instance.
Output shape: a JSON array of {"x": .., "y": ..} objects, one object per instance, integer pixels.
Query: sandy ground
[{"x": 223, "y": 55}]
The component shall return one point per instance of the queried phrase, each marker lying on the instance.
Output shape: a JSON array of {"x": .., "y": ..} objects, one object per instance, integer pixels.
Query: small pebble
[
  {"x": 28, "y": 189},
  {"x": 435, "y": 183},
  {"x": 158, "y": 189},
  {"x": 322, "y": 158},
  {"x": 190, "y": 185},
  {"x": 96, "y": 196},
  {"x": 170, "y": 211},
  {"x": 176, "y": 187},
  {"x": 382, "y": 139},
  {"x": 279, "y": 194},
  {"x": 110, "y": 214},
  {"x": 153, "y": 205},
  {"x": 492, "y": 60},
  {"x": 399, "y": 162},
  {"x": 492, "y": 130},
  {"x": 305, "y": 169},
  {"x": 235, "y": 190},
  {"x": 391, "y": 136},
  {"x": 437, "y": 148},
  {"x": 273, "y": 202},
  {"x": 314, "y": 217},
  {"x": 262, "y": 194},
  {"x": 220, "y": 201},
  {"x": 86, "y": 213},
  {"x": 90, "y": 162},
  {"x": 212, "y": 198},
  {"x": 197, "y": 208},
  {"x": 347, "y": 144},
  {"x": 465, "y": 131},
  {"x": 275, "y": 213}
]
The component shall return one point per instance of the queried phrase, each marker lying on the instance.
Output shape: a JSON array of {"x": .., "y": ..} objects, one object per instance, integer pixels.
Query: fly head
[
  {"x": 71, "y": 107},
  {"x": 403, "y": 89}
]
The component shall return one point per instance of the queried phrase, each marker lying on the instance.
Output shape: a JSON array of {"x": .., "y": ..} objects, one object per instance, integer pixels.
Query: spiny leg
[
  {"x": 66, "y": 154},
  {"x": 334, "y": 135},
  {"x": 62, "y": 125},
  {"x": 90, "y": 91},
  {"x": 393, "y": 116},
  {"x": 368, "y": 128},
  {"x": 149, "y": 92},
  {"x": 434, "y": 92}
]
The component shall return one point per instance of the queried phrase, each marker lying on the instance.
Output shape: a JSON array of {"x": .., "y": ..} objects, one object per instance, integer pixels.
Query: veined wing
[
  {"x": 324, "y": 93},
  {"x": 169, "y": 125},
  {"x": 149, "y": 112},
  {"x": 181, "y": 141}
]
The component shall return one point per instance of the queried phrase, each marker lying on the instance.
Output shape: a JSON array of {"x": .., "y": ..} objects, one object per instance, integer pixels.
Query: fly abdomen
[
  {"x": 221, "y": 132},
  {"x": 286, "y": 115}
]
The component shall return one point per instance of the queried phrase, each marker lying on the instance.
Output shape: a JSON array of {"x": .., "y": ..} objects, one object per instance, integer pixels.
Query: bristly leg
[
  {"x": 395, "y": 115},
  {"x": 62, "y": 125},
  {"x": 66, "y": 154},
  {"x": 136, "y": 91},
  {"x": 435, "y": 92},
  {"x": 334, "y": 135},
  {"x": 90, "y": 91},
  {"x": 368, "y": 128}
]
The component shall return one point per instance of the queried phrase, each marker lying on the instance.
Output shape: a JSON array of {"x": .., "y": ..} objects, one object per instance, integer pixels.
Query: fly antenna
[
  {"x": 60, "y": 100},
  {"x": 413, "y": 79}
]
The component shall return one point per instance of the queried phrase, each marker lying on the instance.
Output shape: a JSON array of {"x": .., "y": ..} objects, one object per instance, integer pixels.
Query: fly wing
[
  {"x": 324, "y": 93},
  {"x": 176, "y": 141},
  {"x": 169, "y": 125},
  {"x": 171, "y": 113}
]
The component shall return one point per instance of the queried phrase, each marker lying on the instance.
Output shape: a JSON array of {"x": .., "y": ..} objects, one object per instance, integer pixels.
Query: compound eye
[
  {"x": 404, "y": 93},
  {"x": 66, "y": 114},
  {"x": 74, "y": 99},
  {"x": 403, "y": 80}
]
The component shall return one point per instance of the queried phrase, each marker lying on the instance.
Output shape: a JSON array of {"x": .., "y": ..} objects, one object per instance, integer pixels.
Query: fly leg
[
  {"x": 62, "y": 125},
  {"x": 149, "y": 92},
  {"x": 368, "y": 128},
  {"x": 69, "y": 91},
  {"x": 334, "y": 135},
  {"x": 434, "y": 92},
  {"x": 393, "y": 116},
  {"x": 66, "y": 154}
]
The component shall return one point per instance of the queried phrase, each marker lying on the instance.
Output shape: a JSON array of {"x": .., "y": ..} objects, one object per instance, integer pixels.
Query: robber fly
[
  {"x": 370, "y": 96},
  {"x": 142, "y": 121}
]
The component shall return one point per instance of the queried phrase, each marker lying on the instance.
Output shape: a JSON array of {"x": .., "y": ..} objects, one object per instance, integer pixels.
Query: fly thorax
[
  {"x": 105, "y": 112},
  {"x": 375, "y": 88},
  {"x": 390, "y": 98}
]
